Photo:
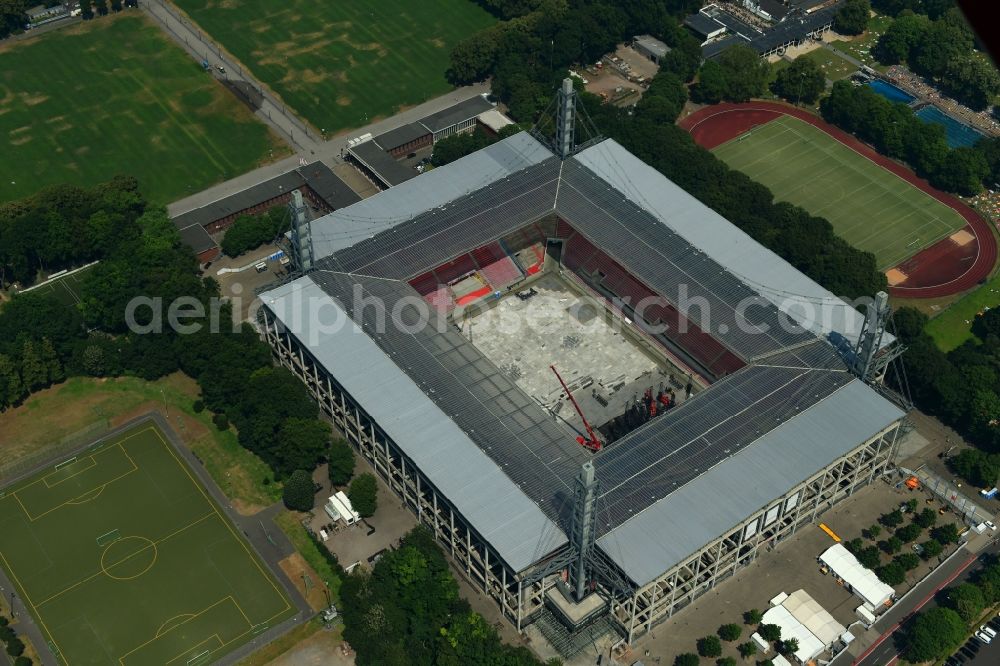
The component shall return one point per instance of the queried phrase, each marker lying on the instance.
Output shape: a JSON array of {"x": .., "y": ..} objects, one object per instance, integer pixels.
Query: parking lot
[{"x": 976, "y": 652}]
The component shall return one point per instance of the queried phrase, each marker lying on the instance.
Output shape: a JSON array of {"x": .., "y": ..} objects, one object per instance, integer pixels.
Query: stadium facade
[{"x": 782, "y": 432}]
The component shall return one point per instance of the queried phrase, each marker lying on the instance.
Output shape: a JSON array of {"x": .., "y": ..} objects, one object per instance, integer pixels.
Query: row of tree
[
  {"x": 893, "y": 129},
  {"x": 14, "y": 646},
  {"x": 935, "y": 634},
  {"x": 961, "y": 387},
  {"x": 248, "y": 232},
  {"x": 408, "y": 611},
  {"x": 943, "y": 51}
]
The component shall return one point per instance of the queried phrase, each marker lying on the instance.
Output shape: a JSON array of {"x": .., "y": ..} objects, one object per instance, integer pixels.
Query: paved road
[
  {"x": 304, "y": 140},
  {"x": 957, "y": 570},
  {"x": 201, "y": 47},
  {"x": 846, "y": 56}
]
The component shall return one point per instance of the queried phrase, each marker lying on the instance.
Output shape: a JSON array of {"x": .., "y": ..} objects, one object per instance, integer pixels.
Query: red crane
[{"x": 592, "y": 443}]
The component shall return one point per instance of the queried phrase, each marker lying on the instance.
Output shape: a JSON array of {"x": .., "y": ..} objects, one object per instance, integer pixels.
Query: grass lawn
[
  {"x": 834, "y": 67},
  {"x": 954, "y": 326},
  {"x": 113, "y": 95},
  {"x": 290, "y": 523},
  {"x": 81, "y": 408},
  {"x": 124, "y": 558},
  {"x": 869, "y": 207},
  {"x": 861, "y": 46},
  {"x": 343, "y": 64}
]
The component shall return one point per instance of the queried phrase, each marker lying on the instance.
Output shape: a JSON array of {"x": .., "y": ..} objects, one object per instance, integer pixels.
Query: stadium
[{"x": 705, "y": 416}]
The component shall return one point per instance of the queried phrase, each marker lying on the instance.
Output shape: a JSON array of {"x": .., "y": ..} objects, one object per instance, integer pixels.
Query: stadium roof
[
  {"x": 779, "y": 419},
  {"x": 381, "y": 163}
]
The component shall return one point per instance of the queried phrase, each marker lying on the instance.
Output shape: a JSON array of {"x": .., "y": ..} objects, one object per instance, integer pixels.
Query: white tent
[
  {"x": 338, "y": 507},
  {"x": 814, "y": 617},
  {"x": 778, "y": 660},
  {"x": 863, "y": 582},
  {"x": 809, "y": 645}
]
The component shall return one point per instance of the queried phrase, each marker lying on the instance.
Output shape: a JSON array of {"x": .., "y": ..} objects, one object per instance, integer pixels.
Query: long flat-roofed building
[{"x": 687, "y": 489}]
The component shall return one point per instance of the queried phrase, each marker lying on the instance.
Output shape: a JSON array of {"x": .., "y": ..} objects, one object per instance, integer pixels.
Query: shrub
[
  {"x": 198, "y": 406},
  {"x": 709, "y": 646},
  {"x": 221, "y": 421},
  {"x": 15, "y": 647},
  {"x": 730, "y": 632},
  {"x": 298, "y": 493},
  {"x": 23, "y": 661}
]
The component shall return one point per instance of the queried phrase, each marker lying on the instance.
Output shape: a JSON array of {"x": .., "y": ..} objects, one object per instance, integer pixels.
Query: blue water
[
  {"x": 891, "y": 92},
  {"x": 958, "y": 134}
]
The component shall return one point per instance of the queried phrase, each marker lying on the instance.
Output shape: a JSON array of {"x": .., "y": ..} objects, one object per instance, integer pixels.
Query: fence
[{"x": 13, "y": 470}]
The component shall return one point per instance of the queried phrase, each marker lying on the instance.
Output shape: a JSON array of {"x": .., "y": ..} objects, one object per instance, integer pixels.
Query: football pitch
[
  {"x": 124, "y": 559},
  {"x": 113, "y": 96},
  {"x": 343, "y": 64},
  {"x": 868, "y": 206}
]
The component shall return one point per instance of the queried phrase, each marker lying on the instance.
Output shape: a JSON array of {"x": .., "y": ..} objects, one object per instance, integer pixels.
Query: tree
[
  {"x": 926, "y": 518},
  {"x": 709, "y": 646},
  {"x": 911, "y": 505},
  {"x": 686, "y": 659},
  {"x": 931, "y": 548},
  {"x": 746, "y": 73},
  {"x": 852, "y": 19},
  {"x": 972, "y": 81},
  {"x": 892, "y": 545},
  {"x": 977, "y": 467},
  {"x": 340, "y": 463},
  {"x": 769, "y": 632},
  {"x": 872, "y": 532},
  {"x": 891, "y": 574},
  {"x": 945, "y": 534},
  {"x": 12, "y": 389},
  {"x": 221, "y": 421},
  {"x": 15, "y": 647},
  {"x": 962, "y": 171},
  {"x": 711, "y": 87},
  {"x": 895, "y": 44},
  {"x": 363, "y": 493},
  {"x": 869, "y": 557},
  {"x": 801, "y": 82},
  {"x": 87, "y": 9},
  {"x": 298, "y": 493},
  {"x": 12, "y": 16},
  {"x": 933, "y": 635},
  {"x": 909, "y": 561},
  {"x": 725, "y": 661},
  {"x": 908, "y": 533},
  {"x": 116, "y": 5},
  {"x": 23, "y": 661},
  {"x": 33, "y": 371},
  {"x": 966, "y": 599},
  {"x": 788, "y": 646},
  {"x": 892, "y": 519},
  {"x": 753, "y": 616},
  {"x": 730, "y": 632},
  {"x": 101, "y": 6},
  {"x": 747, "y": 649},
  {"x": 50, "y": 361},
  {"x": 302, "y": 442}
]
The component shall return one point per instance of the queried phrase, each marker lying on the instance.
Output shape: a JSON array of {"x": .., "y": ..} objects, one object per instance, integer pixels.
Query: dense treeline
[
  {"x": 42, "y": 339},
  {"x": 408, "y": 611},
  {"x": 449, "y": 149},
  {"x": 737, "y": 75},
  {"x": 852, "y": 18},
  {"x": 942, "y": 50},
  {"x": 962, "y": 387},
  {"x": 248, "y": 232},
  {"x": 893, "y": 129},
  {"x": 933, "y": 8}
]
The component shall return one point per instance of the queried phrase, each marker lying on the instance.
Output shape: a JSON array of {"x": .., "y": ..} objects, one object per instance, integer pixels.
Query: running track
[{"x": 942, "y": 269}]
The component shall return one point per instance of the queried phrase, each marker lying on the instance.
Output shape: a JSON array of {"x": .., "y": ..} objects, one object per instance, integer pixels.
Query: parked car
[
  {"x": 984, "y": 638},
  {"x": 990, "y": 524},
  {"x": 988, "y": 631}
]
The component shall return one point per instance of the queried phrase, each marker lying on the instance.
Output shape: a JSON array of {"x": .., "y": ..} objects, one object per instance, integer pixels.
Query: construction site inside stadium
[{"x": 437, "y": 321}]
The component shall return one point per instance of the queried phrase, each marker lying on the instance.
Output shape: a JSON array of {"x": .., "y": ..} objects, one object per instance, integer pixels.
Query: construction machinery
[{"x": 591, "y": 441}]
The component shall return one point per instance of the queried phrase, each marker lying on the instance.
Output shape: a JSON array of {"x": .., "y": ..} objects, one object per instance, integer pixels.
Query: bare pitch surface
[
  {"x": 343, "y": 64},
  {"x": 868, "y": 206},
  {"x": 124, "y": 559}
]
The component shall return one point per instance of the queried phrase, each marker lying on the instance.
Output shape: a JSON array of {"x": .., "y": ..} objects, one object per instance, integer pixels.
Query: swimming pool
[
  {"x": 891, "y": 92},
  {"x": 957, "y": 133}
]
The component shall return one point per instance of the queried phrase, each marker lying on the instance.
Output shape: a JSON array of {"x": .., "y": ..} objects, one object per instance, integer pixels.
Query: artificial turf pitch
[
  {"x": 124, "y": 559},
  {"x": 115, "y": 96},
  {"x": 869, "y": 207},
  {"x": 343, "y": 64}
]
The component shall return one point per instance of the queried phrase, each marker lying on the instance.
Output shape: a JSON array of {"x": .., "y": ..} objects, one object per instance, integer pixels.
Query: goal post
[
  {"x": 200, "y": 658},
  {"x": 65, "y": 463},
  {"x": 108, "y": 537}
]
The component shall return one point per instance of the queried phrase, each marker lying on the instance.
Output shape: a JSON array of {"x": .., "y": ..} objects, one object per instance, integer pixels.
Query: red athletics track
[{"x": 945, "y": 268}]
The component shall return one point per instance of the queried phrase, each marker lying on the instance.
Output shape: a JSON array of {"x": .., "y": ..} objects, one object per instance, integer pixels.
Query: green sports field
[
  {"x": 868, "y": 206},
  {"x": 65, "y": 289},
  {"x": 124, "y": 559},
  {"x": 343, "y": 64},
  {"x": 113, "y": 95}
]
